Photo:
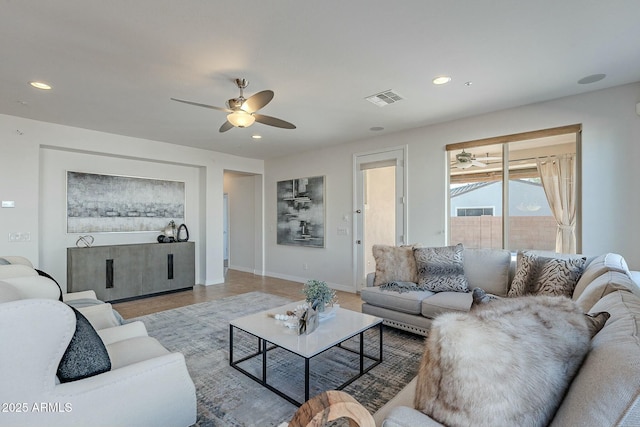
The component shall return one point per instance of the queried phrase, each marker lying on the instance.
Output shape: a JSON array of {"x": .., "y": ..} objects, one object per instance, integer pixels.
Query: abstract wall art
[
  {"x": 113, "y": 203},
  {"x": 301, "y": 213}
]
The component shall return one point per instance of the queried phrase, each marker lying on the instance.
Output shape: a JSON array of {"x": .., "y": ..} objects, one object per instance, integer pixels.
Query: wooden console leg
[{"x": 331, "y": 405}]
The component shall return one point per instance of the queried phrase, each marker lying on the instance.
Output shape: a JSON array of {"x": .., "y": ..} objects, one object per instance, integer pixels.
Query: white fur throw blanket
[{"x": 507, "y": 362}]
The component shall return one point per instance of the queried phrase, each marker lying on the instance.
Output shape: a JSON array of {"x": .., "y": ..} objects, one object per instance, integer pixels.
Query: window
[
  {"x": 499, "y": 191},
  {"x": 474, "y": 211}
]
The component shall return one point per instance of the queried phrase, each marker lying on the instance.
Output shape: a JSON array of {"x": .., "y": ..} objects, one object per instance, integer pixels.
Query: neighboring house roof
[{"x": 458, "y": 191}]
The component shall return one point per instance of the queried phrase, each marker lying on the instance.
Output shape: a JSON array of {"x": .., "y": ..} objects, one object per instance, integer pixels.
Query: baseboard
[
  {"x": 299, "y": 279},
  {"x": 243, "y": 269}
]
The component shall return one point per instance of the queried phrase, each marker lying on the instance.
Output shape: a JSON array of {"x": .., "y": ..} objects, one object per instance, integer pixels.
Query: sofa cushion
[
  {"x": 394, "y": 263},
  {"x": 606, "y": 391},
  {"x": 441, "y": 269},
  {"x": 603, "y": 285},
  {"x": 86, "y": 354},
  {"x": 443, "y": 302},
  {"x": 8, "y": 293},
  {"x": 488, "y": 269},
  {"x": 134, "y": 350},
  {"x": 538, "y": 275},
  {"x": 506, "y": 362},
  {"x": 598, "y": 266},
  {"x": 34, "y": 286},
  {"x": 406, "y": 302}
]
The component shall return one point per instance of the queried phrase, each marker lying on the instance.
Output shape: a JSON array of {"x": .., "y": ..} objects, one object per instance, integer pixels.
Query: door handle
[
  {"x": 358, "y": 211},
  {"x": 358, "y": 242}
]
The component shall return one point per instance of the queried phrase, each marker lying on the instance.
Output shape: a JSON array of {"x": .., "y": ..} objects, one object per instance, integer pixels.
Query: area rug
[{"x": 226, "y": 397}]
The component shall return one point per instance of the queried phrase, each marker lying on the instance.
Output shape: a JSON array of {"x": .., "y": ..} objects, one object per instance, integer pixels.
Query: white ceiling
[{"x": 114, "y": 64}]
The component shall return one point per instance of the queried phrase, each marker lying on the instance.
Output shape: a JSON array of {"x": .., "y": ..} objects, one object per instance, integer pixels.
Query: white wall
[
  {"x": 36, "y": 154},
  {"x": 610, "y": 151}
]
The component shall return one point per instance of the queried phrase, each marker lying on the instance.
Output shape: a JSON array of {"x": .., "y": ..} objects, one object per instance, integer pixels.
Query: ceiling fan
[
  {"x": 242, "y": 111},
  {"x": 465, "y": 160}
]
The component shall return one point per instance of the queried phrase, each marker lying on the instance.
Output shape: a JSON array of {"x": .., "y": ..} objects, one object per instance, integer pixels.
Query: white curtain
[{"x": 558, "y": 174}]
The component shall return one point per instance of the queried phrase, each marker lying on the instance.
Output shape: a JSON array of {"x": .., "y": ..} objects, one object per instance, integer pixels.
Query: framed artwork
[
  {"x": 301, "y": 214},
  {"x": 112, "y": 203}
]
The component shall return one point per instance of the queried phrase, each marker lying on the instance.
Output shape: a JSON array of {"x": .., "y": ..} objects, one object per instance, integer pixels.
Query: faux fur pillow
[
  {"x": 394, "y": 264},
  {"x": 441, "y": 269},
  {"x": 538, "y": 275},
  {"x": 506, "y": 362}
]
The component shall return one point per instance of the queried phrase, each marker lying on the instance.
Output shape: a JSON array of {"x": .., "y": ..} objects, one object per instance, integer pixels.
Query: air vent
[{"x": 384, "y": 98}]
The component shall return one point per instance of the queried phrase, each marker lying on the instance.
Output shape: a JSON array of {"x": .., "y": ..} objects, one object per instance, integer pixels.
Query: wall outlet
[
  {"x": 305, "y": 266},
  {"x": 19, "y": 236}
]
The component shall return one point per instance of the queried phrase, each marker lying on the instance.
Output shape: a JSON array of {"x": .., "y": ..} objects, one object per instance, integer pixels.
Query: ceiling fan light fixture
[{"x": 241, "y": 119}]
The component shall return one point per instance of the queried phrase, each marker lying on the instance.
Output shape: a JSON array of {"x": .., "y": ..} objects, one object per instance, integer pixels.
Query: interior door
[{"x": 379, "y": 206}]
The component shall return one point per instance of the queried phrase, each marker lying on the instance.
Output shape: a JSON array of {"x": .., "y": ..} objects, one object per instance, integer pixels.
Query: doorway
[{"x": 380, "y": 213}]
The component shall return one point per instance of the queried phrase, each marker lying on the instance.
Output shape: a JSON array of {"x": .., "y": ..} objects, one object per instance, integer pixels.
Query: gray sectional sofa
[
  {"x": 413, "y": 311},
  {"x": 605, "y": 391}
]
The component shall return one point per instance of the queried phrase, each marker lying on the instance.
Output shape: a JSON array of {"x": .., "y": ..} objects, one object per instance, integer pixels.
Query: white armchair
[{"x": 146, "y": 386}]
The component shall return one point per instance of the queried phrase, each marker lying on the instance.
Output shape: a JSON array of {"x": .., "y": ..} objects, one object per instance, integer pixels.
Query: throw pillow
[
  {"x": 394, "y": 263},
  {"x": 539, "y": 275},
  {"x": 504, "y": 363},
  {"x": 441, "y": 269},
  {"x": 4, "y": 262},
  {"x": 86, "y": 354}
]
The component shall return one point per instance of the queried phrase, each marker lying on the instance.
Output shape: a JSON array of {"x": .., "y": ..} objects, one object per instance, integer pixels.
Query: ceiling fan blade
[
  {"x": 225, "y": 126},
  {"x": 478, "y": 164},
  {"x": 202, "y": 105},
  {"x": 272, "y": 121},
  {"x": 488, "y": 158},
  {"x": 257, "y": 101}
]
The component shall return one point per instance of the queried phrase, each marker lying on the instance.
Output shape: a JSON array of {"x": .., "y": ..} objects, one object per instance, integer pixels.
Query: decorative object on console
[
  {"x": 85, "y": 241},
  {"x": 182, "y": 234},
  {"x": 441, "y": 269},
  {"x": 112, "y": 203},
  {"x": 526, "y": 350},
  {"x": 318, "y": 294},
  {"x": 301, "y": 212}
]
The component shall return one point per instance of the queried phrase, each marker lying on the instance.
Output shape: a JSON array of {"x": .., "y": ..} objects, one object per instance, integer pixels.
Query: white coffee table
[{"x": 331, "y": 332}]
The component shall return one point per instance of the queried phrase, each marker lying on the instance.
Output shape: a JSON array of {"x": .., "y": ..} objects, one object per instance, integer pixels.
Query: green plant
[{"x": 317, "y": 290}]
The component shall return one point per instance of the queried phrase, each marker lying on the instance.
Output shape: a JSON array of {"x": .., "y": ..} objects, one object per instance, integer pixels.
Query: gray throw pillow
[
  {"x": 441, "y": 269},
  {"x": 86, "y": 354},
  {"x": 4, "y": 262},
  {"x": 539, "y": 275}
]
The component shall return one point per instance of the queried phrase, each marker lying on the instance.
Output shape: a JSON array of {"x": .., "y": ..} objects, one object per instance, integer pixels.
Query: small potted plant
[{"x": 317, "y": 292}]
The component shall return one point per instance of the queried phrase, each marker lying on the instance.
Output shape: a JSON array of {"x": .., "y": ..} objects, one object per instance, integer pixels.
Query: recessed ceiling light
[
  {"x": 40, "y": 85},
  {"x": 591, "y": 79},
  {"x": 376, "y": 128},
  {"x": 469, "y": 83},
  {"x": 440, "y": 80},
  {"x": 256, "y": 136}
]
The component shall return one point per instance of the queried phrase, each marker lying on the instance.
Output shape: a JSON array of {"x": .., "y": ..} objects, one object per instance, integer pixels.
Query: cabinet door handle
[
  {"x": 109, "y": 266},
  {"x": 170, "y": 266}
]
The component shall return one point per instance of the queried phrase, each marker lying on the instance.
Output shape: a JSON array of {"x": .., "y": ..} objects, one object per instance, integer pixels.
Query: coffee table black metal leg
[
  {"x": 380, "y": 328},
  {"x": 264, "y": 361},
  {"x": 361, "y": 353},
  {"x": 230, "y": 344},
  {"x": 306, "y": 379}
]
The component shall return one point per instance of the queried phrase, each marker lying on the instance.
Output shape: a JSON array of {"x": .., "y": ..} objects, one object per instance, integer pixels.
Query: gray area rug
[{"x": 226, "y": 397}]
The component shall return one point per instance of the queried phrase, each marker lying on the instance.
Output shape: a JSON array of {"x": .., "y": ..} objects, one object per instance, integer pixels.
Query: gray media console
[{"x": 128, "y": 271}]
